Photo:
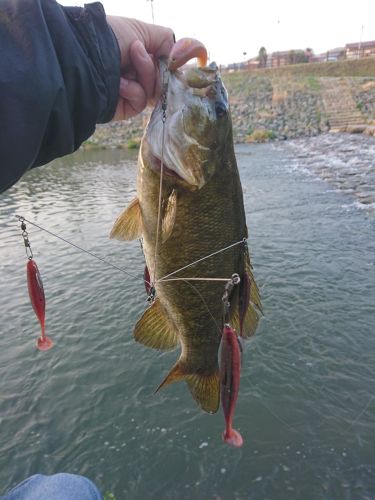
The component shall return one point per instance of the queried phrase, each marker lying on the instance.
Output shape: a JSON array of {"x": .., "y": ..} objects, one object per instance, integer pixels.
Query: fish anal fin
[
  {"x": 154, "y": 329},
  {"x": 128, "y": 225},
  {"x": 176, "y": 373},
  {"x": 205, "y": 388},
  {"x": 169, "y": 216}
]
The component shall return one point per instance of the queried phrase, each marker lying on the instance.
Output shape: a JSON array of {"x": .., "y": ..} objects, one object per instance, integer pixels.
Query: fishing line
[
  {"x": 166, "y": 279},
  {"x": 359, "y": 415},
  {"x": 163, "y": 118},
  {"x": 204, "y": 302},
  {"x": 20, "y": 218},
  {"x": 195, "y": 279},
  {"x": 203, "y": 258}
]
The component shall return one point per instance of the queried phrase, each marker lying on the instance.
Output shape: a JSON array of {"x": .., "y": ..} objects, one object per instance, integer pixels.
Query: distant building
[
  {"x": 336, "y": 54},
  {"x": 252, "y": 63},
  {"x": 360, "y": 49},
  {"x": 277, "y": 59},
  {"x": 285, "y": 57}
]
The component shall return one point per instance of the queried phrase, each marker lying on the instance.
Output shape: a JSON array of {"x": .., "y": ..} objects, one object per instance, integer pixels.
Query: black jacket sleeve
[{"x": 59, "y": 76}]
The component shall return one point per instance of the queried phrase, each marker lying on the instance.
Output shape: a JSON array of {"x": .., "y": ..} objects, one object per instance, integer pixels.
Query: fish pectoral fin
[
  {"x": 128, "y": 225},
  {"x": 169, "y": 216},
  {"x": 205, "y": 389},
  {"x": 154, "y": 329}
]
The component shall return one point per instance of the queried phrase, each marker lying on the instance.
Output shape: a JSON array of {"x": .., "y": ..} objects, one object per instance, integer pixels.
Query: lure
[
  {"x": 230, "y": 368},
  {"x": 38, "y": 301},
  {"x": 36, "y": 290}
]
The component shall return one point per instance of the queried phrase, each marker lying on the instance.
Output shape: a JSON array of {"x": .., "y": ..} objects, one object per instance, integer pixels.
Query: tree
[
  {"x": 297, "y": 57},
  {"x": 309, "y": 53},
  {"x": 262, "y": 57}
]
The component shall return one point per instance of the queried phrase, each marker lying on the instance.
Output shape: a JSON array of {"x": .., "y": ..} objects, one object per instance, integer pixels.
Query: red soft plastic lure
[
  {"x": 38, "y": 301},
  {"x": 230, "y": 368}
]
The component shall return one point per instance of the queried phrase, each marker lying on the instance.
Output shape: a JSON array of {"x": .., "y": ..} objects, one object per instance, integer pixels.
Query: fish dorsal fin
[
  {"x": 205, "y": 389},
  {"x": 128, "y": 225},
  {"x": 154, "y": 329},
  {"x": 169, "y": 216}
]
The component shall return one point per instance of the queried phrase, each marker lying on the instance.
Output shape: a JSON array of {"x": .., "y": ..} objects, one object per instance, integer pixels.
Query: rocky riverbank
[{"x": 275, "y": 106}]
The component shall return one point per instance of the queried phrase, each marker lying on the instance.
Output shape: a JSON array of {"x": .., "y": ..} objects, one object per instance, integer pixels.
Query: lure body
[
  {"x": 230, "y": 368},
  {"x": 38, "y": 301}
]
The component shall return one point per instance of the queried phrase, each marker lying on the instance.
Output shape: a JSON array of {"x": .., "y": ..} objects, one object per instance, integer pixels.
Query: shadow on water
[{"x": 306, "y": 402}]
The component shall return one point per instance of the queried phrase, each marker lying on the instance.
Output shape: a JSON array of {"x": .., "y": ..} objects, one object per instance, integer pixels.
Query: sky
[{"x": 228, "y": 28}]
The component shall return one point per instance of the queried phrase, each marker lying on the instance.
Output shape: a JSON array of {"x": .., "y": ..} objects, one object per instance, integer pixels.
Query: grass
[
  {"x": 133, "y": 143},
  {"x": 261, "y": 135},
  {"x": 313, "y": 82}
]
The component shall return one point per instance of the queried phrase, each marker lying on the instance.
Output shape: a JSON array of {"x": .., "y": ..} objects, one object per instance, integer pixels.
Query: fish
[
  {"x": 38, "y": 302},
  {"x": 230, "y": 368},
  {"x": 189, "y": 205}
]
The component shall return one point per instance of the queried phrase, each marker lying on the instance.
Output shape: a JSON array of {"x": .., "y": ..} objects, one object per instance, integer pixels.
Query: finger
[
  {"x": 167, "y": 39},
  {"x": 132, "y": 100},
  {"x": 130, "y": 74},
  {"x": 158, "y": 40},
  {"x": 158, "y": 85},
  {"x": 144, "y": 67}
]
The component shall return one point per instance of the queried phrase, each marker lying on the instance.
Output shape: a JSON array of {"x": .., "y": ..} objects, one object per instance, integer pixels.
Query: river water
[{"x": 306, "y": 407}]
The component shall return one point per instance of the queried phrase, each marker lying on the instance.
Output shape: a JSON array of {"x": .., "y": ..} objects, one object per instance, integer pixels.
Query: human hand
[{"x": 141, "y": 44}]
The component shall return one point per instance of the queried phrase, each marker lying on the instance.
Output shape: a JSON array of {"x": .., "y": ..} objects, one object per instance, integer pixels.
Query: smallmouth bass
[{"x": 201, "y": 212}]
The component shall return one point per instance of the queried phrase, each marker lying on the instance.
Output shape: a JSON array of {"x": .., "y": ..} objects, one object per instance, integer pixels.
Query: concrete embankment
[{"x": 281, "y": 103}]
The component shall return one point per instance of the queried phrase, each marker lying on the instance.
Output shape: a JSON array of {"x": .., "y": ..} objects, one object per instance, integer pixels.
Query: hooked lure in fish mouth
[
  {"x": 184, "y": 50},
  {"x": 189, "y": 136}
]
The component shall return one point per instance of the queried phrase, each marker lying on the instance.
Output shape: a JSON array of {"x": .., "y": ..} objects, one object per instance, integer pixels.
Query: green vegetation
[
  {"x": 133, "y": 143},
  {"x": 262, "y": 57},
  {"x": 360, "y": 105},
  {"x": 261, "y": 135},
  {"x": 109, "y": 496},
  {"x": 90, "y": 145},
  {"x": 297, "y": 57},
  {"x": 313, "y": 83}
]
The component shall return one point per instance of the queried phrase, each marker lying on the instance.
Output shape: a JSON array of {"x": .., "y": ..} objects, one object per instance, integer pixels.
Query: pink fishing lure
[
  {"x": 230, "y": 368},
  {"x": 38, "y": 301}
]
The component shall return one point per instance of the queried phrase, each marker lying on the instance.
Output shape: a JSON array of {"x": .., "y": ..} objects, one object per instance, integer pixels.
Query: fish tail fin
[
  {"x": 205, "y": 388},
  {"x": 233, "y": 438}
]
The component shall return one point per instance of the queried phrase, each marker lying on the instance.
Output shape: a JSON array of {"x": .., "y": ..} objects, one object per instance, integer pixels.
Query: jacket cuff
[{"x": 100, "y": 43}]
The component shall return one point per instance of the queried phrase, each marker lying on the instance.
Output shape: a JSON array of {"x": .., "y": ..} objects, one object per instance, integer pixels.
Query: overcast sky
[{"x": 230, "y": 28}]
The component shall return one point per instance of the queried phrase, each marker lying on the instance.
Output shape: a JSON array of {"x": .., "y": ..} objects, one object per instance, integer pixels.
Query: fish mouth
[
  {"x": 185, "y": 180},
  {"x": 156, "y": 164}
]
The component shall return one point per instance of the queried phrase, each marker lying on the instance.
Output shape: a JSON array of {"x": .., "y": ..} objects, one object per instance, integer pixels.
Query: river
[{"x": 307, "y": 398}]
